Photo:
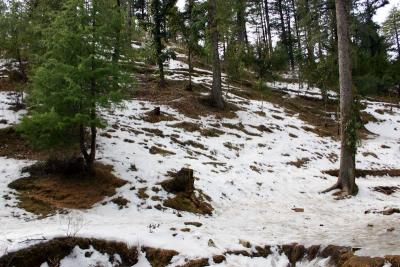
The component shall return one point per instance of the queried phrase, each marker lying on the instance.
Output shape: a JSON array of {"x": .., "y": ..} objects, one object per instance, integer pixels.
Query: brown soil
[
  {"x": 387, "y": 190},
  {"x": 364, "y": 173},
  {"x": 299, "y": 162},
  {"x": 190, "y": 103},
  {"x": 313, "y": 111},
  {"x": 55, "y": 250},
  {"x": 159, "y": 257},
  {"x": 157, "y": 150},
  {"x": 48, "y": 193}
]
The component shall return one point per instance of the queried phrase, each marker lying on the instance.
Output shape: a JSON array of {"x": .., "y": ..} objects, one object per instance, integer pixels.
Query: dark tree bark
[
  {"x": 290, "y": 38},
  {"x": 156, "y": 8},
  {"x": 346, "y": 180},
  {"x": 216, "y": 92},
  {"x": 241, "y": 21},
  {"x": 266, "y": 7}
]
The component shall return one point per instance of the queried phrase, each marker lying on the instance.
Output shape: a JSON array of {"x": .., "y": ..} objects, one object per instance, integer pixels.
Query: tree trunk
[
  {"x": 290, "y": 39},
  {"x": 397, "y": 37},
  {"x": 241, "y": 21},
  {"x": 216, "y": 92},
  {"x": 266, "y": 7},
  {"x": 346, "y": 180},
  {"x": 157, "y": 39},
  {"x": 117, "y": 45}
]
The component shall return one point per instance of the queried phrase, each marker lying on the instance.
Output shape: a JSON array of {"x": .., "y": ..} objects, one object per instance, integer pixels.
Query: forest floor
[{"x": 260, "y": 164}]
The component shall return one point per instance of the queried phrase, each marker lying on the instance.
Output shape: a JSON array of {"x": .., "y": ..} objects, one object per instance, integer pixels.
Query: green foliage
[
  {"x": 391, "y": 30},
  {"x": 352, "y": 127},
  {"x": 78, "y": 74},
  {"x": 13, "y": 32},
  {"x": 234, "y": 61}
]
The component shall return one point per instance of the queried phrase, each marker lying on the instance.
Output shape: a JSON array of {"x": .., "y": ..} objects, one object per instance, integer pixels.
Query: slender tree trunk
[
  {"x": 346, "y": 180},
  {"x": 266, "y": 7},
  {"x": 117, "y": 45},
  {"x": 290, "y": 39},
  {"x": 241, "y": 21},
  {"x": 157, "y": 39},
  {"x": 397, "y": 38},
  {"x": 216, "y": 92},
  {"x": 310, "y": 46},
  {"x": 296, "y": 25}
]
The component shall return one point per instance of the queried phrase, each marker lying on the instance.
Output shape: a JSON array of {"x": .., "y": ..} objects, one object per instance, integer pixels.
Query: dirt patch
[
  {"x": 44, "y": 192},
  {"x": 299, "y": 162},
  {"x": 190, "y": 103},
  {"x": 239, "y": 127},
  {"x": 121, "y": 202},
  {"x": 157, "y": 115},
  {"x": 364, "y": 173},
  {"x": 387, "y": 190},
  {"x": 55, "y": 250},
  {"x": 187, "y": 126},
  {"x": 157, "y": 150},
  {"x": 194, "y": 127},
  {"x": 159, "y": 257}
]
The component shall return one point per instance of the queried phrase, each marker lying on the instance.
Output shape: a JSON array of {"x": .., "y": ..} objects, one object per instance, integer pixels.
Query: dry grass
[
  {"x": 189, "y": 103},
  {"x": 48, "y": 193},
  {"x": 55, "y": 250}
]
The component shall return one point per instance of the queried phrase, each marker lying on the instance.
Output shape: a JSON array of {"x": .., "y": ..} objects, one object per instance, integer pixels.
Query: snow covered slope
[{"x": 262, "y": 166}]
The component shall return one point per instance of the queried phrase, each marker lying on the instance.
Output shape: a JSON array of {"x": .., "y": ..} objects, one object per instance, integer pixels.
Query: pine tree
[
  {"x": 391, "y": 29},
  {"x": 78, "y": 76}
]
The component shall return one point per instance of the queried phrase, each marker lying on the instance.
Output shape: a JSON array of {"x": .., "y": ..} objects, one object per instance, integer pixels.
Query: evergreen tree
[
  {"x": 391, "y": 29},
  {"x": 77, "y": 77}
]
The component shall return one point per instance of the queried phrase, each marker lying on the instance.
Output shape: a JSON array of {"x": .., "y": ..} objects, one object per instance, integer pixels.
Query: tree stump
[
  {"x": 182, "y": 182},
  {"x": 157, "y": 111}
]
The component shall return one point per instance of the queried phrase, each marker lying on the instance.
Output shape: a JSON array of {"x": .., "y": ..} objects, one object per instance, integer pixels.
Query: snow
[
  {"x": 248, "y": 176},
  {"x": 88, "y": 258},
  {"x": 296, "y": 89},
  {"x": 7, "y": 99}
]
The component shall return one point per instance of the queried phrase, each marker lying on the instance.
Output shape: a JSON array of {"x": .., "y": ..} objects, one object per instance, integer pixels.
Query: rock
[
  {"x": 197, "y": 224},
  {"x": 196, "y": 263},
  {"x": 211, "y": 243},
  {"x": 390, "y": 211},
  {"x": 219, "y": 259},
  {"x": 262, "y": 251},
  {"x": 244, "y": 243},
  {"x": 298, "y": 209},
  {"x": 159, "y": 257}
]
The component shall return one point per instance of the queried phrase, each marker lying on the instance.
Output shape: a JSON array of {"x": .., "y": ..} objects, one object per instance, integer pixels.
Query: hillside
[{"x": 259, "y": 167}]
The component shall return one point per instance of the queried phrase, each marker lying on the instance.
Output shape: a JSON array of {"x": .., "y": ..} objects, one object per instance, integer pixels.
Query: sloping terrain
[{"x": 261, "y": 166}]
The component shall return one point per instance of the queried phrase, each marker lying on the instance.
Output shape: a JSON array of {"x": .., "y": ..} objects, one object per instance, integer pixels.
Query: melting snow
[{"x": 246, "y": 173}]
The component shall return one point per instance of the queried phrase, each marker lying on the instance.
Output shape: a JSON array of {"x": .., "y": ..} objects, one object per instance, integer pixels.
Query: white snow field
[{"x": 249, "y": 175}]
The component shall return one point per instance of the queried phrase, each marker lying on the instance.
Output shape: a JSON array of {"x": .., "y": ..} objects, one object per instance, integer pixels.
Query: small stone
[
  {"x": 298, "y": 209},
  {"x": 244, "y": 243},
  {"x": 211, "y": 243}
]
